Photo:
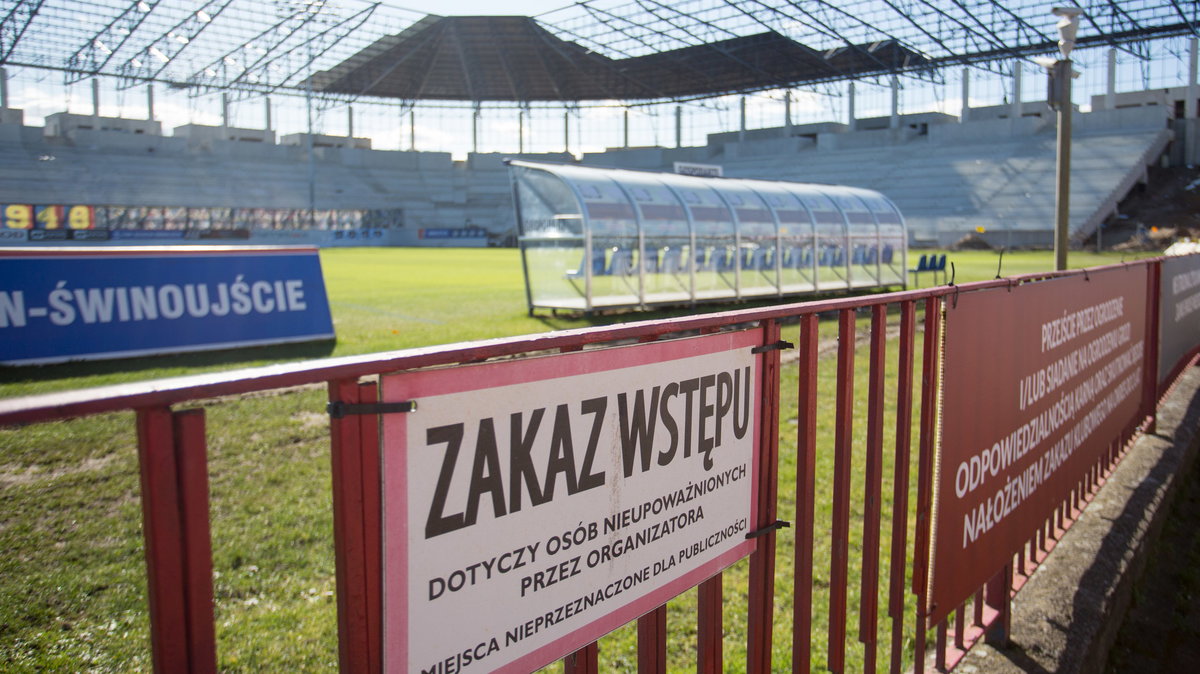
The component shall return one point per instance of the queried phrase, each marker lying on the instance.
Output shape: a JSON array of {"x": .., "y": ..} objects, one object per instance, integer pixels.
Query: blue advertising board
[{"x": 66, "y": 304}]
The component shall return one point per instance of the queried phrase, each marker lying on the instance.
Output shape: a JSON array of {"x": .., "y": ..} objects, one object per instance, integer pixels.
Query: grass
[{"x": 72, "y": 590}]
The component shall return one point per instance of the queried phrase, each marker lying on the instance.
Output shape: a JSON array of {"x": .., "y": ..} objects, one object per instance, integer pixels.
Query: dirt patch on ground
[
  {"x": 17, "y": 475},
  {"x": 1156, "y": 215},
  {"x": 971, "y": 242},
  {"x": 310, "y": 419}
]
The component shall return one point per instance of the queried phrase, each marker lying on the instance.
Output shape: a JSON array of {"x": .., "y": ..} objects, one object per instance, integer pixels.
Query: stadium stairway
[{"x": 985, "y": 176}]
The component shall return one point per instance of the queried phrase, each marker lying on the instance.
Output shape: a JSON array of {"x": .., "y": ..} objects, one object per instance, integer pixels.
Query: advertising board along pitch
[
  {"x": 62, "y": 304},
  {"x": 1038, "y": 380},
  {"x": 532, "y": 506},
  {"x": 1179, "y": 313}
]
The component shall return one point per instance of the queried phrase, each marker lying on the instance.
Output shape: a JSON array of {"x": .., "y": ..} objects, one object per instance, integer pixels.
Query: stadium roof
[
  {"x": 513, "y": 58},
  {"x": 596, "y": 49}
]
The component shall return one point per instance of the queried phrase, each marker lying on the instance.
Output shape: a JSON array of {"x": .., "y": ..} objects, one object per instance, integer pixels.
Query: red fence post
[
  {"x": 929, "y": 400},
  {"x": 583, "y": 661},
  {"x": 872, "y": 508},
  {"x": 349, "y": 544},
  {"x": 709, "y": 627},
  {"x": 842, "y": 450},
  {"x": 652, "y": 641},
  {"x": 164, "y": 547},
  {"x": 762, "y": 561},
  {"x": 806, "y": 449},
  {"x": 998, "y": 591},
  {"x": 174, "y": 486},
  {"x": 192, "y": 463},
  {"x": 904, "y": 399},
  {"x": 1150, "y": 350},
  {"x": 372, "y": 521}
]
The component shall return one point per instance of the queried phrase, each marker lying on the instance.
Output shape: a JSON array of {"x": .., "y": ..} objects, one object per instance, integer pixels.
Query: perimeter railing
[{"x": 864, "y": 559}]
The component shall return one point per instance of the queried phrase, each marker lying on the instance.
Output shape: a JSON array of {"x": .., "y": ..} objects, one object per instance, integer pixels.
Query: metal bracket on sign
[
  {"x": 777, "y": 346},
  {"x": 777, "y": 524},
  {"x": 338, "y": 409}
]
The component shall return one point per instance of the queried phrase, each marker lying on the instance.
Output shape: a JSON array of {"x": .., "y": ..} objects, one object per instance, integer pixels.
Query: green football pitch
[{"x": 384, "y": 299}]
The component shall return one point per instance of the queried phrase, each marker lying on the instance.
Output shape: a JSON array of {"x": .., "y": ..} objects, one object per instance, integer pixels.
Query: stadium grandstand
[{"x": 358, "y": 123}]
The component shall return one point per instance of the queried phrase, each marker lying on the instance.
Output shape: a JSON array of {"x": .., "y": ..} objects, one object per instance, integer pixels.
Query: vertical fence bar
[
  {"x": 349, "y": 552},
  {"x": 904, "y": 379},
  {"x": 162, "y": 528},
  {"x": 842, "y": 455},
  {"x": 977, "y": 603},
  {"x": 372, "y": 525},
  {"x": 1150, "y": 350},
  {"x": 762, "y": 560},
  {"x": 929, "y": 399},
  {"x": 709, "y": 627},
  {"x": 191, "y": 460},
  {"x": 940, "y": 653},
  {"x": 652, "y": 641},
  {"x": 583, "y": 661},
  {"x": 869, "y": 582},
  {"x": 998, "y": 591},
  {"x": 806, "y": 449},
  {"x": 960, "y": 627}
]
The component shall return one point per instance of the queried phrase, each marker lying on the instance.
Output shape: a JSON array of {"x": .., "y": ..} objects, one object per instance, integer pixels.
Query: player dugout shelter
[{"x": 595, "y": 238}]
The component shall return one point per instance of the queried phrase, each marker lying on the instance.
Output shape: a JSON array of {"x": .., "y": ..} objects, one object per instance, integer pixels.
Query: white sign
[
  {"x": 702, "y": 170},
  {"x": 532, "y": 506}
]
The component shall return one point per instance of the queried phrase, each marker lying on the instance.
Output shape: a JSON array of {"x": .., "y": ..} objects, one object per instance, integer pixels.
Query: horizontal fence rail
[{"x": 853, "y": 485}]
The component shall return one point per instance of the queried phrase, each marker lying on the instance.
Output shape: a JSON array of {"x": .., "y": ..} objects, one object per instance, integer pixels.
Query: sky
[{"x": 588, "y": 129}]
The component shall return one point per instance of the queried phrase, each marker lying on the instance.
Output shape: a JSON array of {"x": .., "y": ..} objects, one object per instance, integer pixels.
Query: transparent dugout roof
[{"x": 594, "y": 238}]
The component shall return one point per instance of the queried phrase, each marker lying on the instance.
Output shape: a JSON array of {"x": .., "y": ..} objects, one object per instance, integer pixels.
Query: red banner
[{"x": 1038, "y": 381}]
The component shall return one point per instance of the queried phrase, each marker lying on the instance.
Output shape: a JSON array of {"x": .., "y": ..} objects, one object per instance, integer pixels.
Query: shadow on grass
[
  {"x": 11, "y": 374},
  {"x": 566, "y": 320}
]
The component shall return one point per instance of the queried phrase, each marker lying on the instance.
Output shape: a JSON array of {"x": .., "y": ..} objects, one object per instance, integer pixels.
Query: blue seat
[
  {"x": 938, "y": 265},
  {"x": 933, "y": 264},
  {"x": 725, "y": 260},
  {"x": 888, "y": 253},
  {"x": 672, "y": 261},
  {"x": 754, "y": 260},
  {"x": 621, "y": 263},
  {"x": 650, "y": 261},
  {"x": 704, "y": 261},
  {"x": 597, "y": 265}
]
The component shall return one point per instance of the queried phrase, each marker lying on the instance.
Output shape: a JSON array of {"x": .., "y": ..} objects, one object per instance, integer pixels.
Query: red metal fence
[{"x": 891, "y": 547}]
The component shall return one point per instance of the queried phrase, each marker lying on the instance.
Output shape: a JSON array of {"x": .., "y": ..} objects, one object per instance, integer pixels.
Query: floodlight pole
[
  {"x": 1059, "y": 96},
  {"x": 310, "y": 146},
  {"x": 1062, "y": 192}
]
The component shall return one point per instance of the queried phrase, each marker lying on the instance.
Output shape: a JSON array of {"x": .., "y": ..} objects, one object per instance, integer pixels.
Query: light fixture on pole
[{"x": 1058, "y": 95}]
